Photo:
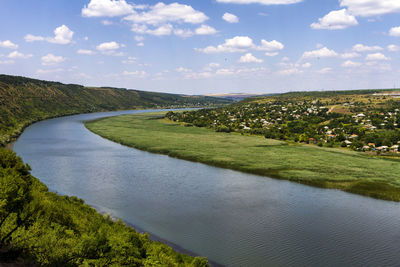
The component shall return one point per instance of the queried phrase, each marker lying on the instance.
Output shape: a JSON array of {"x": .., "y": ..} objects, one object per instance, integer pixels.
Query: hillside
[
  {"x": 41, "y": 228},
  {"x": 24, "y": 100}
]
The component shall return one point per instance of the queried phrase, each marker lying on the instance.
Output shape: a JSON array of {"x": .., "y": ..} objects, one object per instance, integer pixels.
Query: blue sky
[{"x": 204, "y": 47}]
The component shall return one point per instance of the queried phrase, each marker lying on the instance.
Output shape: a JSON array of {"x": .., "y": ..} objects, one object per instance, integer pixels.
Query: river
[{"x": 233, "y": 218}]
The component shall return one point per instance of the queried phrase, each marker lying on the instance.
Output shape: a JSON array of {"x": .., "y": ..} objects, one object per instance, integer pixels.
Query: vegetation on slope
[
  {"x": 24, "y": 100},
  {"x": 362, "y": 122},
  {"x": 318, "y": 166},
  {"x": 41, "y": 227}
]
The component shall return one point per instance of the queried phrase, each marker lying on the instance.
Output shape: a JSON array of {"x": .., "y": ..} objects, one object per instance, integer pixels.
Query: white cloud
[
  {"x": 393, "y": 48},
  {"x": 205, "y": 30},
  {"x": 350, "y": 55},
  {"x": 137, "y": 73},
  {"x": 366, "y": 8},
  {"x": 271, "y": 54},
  {"x": 235, "y": 44},
  {"x": 8, "y": 44},
  {"x": 350, "y": 64},
  {"x": 139, "y": 38},
  {"x": 270, "y": 46},
  {"x": 290, "y": 71},
  {"x": 162, "y": 13},
  {"x": 162, "y": 30},
  {"x": 224, "y": 72},
  {"x": 363, "y": 48},
  {"x": 335, "y": 20},
  {"x": 140, "y": 44},
  {"x": 107, "y": 8},
  {"x": 62, "y": 35},
  {"x": 85, "y": 52},
  {"x": 376, "y": 56},
  {"x": 106, "y": 22},
  {"x": 262, "y": 2},
  {"x": 183, "y": 33},
  {"x": 41, "y": 71},
  {"x": 16, "y": 54},
  {"x": 249, "y": 58},
  {"x": 231, "y": 18},
  {"x": 395, "y": 31},
  {"x": 51, "y": 59},
  {"x": 242, "y": 44},
  {"x": 320, "y": 53},
  {"x": 32, "y": 38},
  {"x": 325, "y": 70},
  {"x": 214, "y": 65},
  {"x": 306, "y": 65},
  {"x": 107, "y": 46},
  {"x": 130, "y": 60}
]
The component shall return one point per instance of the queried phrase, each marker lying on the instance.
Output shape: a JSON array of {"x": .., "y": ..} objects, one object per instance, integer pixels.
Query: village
[{"x": 371, "y": 124}]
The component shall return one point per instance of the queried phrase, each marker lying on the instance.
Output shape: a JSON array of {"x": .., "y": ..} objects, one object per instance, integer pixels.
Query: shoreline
[{"x": 154, "y": 237}]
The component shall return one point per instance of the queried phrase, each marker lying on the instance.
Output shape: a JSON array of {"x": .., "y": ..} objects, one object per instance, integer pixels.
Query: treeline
[
  {"x": 38, "y": 227},
  {"x": 25, "y": 100}
]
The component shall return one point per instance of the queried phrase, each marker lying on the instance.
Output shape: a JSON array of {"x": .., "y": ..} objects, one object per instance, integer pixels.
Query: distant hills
[
  {"x": 237, "y": 96},
  {"x": 24, "y": 100}
]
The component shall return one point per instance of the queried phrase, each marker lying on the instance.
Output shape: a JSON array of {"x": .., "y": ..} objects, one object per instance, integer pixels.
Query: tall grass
[{"x": 322, "y": 167}]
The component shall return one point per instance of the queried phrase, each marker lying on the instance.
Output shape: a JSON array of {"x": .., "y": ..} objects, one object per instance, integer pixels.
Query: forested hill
[{"x": 24, "y": 100}]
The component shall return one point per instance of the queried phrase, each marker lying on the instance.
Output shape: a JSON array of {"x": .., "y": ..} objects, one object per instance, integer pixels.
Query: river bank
[{"x": 321, "y": 167}]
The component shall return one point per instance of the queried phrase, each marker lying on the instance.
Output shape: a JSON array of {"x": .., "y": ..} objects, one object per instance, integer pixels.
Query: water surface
[{"x": 233, "y": 218}]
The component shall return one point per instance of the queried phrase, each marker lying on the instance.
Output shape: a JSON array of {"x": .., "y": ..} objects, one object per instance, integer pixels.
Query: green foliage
[
  {"x": 24, "y": 101},
  {"x": 52, "y": 230}
]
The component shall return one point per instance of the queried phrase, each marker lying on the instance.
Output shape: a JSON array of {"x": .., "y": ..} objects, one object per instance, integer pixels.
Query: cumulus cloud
[
  {"x": 376, "y": 56},
  {"x": 136, "y": 74},
  {"x": 242, "y": 44},
  {"x": 162, "y": 30},
  {"x": 107, "y": 8},
  {"x": 271, "y": 54},
  {"x": 395, "y": 31},
  {"x": 320, "y": 53},
  {"x": 62, "y": 35},
  {"x": 363, "y": 48},
  {"x": 231, "y": 18},
  {"x": 235, "y": 44},
  {"x": 393, "y": 48},
  {"x": 367, "y": 8},
  {"x": 350, "y": 64},
  {"x": 85, "y": 52},
  {"x": 162, "y": 13},
  {"x": 249, "y": 58},
  {"x": 205, "y": 30},
  {"x": 51, "y": 59},
  {"x": 42, "y": 71},
  {"x": 8, "y": 44},
  {"x": 108, "y": 46},
  {"x": 183, "y": 33},
  {"x": 335, "y": 20},
  {"x": 18, "y": 55},
  {"x": 270, "y": 46},
  {"x": 32, "y": 38},
  {"x": 262, "y": 2},
  {"x": 350, "y": 55},
  {"x": 325, "y": 70},
  {"x": 306, "y": 65}
]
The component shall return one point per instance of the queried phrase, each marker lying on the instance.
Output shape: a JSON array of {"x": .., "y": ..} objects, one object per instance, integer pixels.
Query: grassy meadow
[{"x": 307, "y": 164}]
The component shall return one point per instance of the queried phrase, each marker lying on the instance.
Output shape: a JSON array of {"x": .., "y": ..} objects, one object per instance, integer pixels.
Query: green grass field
[{"x": 307, "y": 164}]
